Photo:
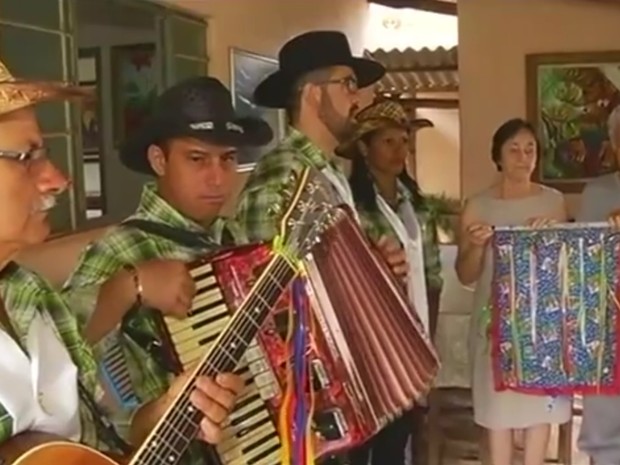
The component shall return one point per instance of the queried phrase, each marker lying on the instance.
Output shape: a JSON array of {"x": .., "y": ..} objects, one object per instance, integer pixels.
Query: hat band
[{"x": 210, "y": 126}]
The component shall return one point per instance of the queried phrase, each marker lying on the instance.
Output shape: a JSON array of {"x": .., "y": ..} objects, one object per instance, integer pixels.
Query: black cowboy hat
[
  {"x": 201, "y": 108},
  {"x": 308, "y": 52}
]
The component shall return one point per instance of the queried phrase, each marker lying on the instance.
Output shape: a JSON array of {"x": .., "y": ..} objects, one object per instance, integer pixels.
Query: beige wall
[
  {"x": 494, "y": 37},
  {"x": 438, "y": 160},
  {"x": 262, "y": 26}
]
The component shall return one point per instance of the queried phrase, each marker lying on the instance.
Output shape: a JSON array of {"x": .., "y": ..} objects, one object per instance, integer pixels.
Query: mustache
[{"x": 46, "y": 203}]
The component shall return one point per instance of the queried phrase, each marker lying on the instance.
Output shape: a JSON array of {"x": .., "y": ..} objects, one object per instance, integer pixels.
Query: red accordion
[{"x": 369, "y": 357}]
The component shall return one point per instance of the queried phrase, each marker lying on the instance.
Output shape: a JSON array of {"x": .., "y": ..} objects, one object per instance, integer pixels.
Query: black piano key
[
  {"x": 246, "y": 416},
  {"x": 208, "y": 306},
  {"x": 264, "y": 454},
  {"x": 249, "y": 400},
  {"x": 245, "y": 431}
]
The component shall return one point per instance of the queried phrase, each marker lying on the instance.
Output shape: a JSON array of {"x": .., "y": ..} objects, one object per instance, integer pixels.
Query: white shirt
[
  {"x": 407, "y": 228},
  {"x": 40, "y": 391}
]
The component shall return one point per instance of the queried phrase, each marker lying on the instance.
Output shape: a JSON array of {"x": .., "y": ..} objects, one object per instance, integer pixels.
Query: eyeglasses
[
  {"x": 28, "y": 157},
  {"x": 349, "y": 82}
]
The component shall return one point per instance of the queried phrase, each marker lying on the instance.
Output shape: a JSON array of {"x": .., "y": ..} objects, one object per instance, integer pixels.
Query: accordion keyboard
[
  {"x": 116, "y": 375},
  {"x": 250, "y": 436}
]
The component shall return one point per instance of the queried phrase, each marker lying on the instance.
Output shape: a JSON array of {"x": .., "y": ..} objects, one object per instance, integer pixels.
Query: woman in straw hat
[{"x": 390, "y": 204}]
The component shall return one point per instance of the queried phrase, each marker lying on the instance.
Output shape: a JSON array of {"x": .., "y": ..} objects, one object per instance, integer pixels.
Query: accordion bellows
[{"x": 554, "y": 310}]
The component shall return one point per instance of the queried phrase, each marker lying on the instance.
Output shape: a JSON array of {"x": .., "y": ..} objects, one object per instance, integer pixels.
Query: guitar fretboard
[{"x": 179, "y": 426}]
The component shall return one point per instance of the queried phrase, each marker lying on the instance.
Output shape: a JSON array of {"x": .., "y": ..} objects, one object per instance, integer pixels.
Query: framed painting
[
  {"x": 247, "y": 71},
  {"x": 569, "y": 99},
  {"x": 135, "y": 78}
]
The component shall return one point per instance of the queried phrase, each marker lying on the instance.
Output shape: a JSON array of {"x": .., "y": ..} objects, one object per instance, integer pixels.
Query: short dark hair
[
  {"x": 507, "y": 131},
  {"x": 294, "y": 102}
]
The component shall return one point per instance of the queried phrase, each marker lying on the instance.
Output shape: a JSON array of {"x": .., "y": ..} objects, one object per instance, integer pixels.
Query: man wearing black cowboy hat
[
  {"x": 189, "y": 144},
  {"x": 317, "y": 84}
]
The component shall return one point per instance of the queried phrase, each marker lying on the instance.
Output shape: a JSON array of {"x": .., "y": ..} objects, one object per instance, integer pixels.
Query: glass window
[
  {"x": 186, "y": 68},
  {"x": 42, "y": 13},
  {"x": 31, "y": 53},
  {"x": 188, "y": 37}
]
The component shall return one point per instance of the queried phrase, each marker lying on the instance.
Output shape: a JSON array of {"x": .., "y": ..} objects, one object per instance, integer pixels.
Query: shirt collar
[
  {"x": 402, "y": 193},
  {"x": 308, "y": 150},
  {"x": 153, "y": 207}
]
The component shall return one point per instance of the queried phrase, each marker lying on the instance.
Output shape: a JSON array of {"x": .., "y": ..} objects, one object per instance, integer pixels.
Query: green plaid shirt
[
  {"x": 25, "y": 294},
  {"x": 128, "y": 245},
  {"x": 262, "y": 198},
  {"x": 376, "y": 225}
]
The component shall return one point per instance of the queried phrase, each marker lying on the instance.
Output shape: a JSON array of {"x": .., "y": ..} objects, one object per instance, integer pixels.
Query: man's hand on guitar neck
[{"x": 214, "y": 398}]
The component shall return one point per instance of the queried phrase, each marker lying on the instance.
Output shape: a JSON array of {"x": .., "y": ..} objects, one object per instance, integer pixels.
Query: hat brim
[
  {"x": 420, "y": 123},
  {"x": 15, "y": 95},
  {"x": 345, "y": 150},
  {"x": 240, "y": 132},
  {"x": 275, "y": 90}
]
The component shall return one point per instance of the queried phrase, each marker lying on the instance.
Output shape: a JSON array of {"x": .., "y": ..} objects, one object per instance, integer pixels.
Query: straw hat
[
  {"x": 380, "y": 115},
  {"x": 16, "y": 94}
]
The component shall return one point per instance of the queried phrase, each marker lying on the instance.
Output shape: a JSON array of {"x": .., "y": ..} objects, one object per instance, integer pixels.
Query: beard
[{"x": 341, "y": 127}]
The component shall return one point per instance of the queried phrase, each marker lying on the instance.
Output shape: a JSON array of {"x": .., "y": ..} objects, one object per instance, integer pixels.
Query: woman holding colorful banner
[{"x": 514, "y": 200}]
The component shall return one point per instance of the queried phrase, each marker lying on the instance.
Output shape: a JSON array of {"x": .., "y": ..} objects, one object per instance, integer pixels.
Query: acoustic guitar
[
  {"x": 300, "y": 227},
  {"x": 40, "y": 449}
]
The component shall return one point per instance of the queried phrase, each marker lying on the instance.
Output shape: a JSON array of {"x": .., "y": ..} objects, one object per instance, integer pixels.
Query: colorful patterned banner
[{"x": 554, "y": 315}]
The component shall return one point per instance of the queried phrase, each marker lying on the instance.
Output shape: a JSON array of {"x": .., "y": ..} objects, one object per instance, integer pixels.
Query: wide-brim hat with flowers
[
  {"x": 377, "y": 116},
  {"x": 16, "y": 94}
]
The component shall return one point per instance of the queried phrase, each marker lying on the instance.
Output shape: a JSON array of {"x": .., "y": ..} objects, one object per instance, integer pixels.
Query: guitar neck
[{"x": 179, "y": 426}]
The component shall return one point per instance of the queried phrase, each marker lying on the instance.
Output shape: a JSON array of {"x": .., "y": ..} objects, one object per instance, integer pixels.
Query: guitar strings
[{"x": 174, "y": 438}]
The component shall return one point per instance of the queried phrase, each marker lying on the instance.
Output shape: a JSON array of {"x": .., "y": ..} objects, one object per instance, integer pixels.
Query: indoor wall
[{"x": 494, "y": 37}]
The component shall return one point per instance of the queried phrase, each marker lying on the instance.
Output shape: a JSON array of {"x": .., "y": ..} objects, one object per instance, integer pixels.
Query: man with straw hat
[{"x": 48, "y": 371}]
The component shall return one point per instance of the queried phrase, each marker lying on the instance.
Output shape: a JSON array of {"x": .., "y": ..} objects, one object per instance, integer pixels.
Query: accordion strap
[{"x": 183, "y": 237}]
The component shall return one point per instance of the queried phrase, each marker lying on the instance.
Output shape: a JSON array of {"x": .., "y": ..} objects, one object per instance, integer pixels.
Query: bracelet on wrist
[{"x": 133, "y": 271}]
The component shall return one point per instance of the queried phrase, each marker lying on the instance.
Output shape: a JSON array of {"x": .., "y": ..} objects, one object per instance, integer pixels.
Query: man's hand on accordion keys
[
  {"x": 214, "y": 398},
  {"x": 394, "y": 255},
  {"x": 167, "y": 286}
]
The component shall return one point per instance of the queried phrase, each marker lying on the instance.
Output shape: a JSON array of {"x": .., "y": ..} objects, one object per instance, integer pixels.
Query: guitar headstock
[{"x": 309, "y": 211}]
